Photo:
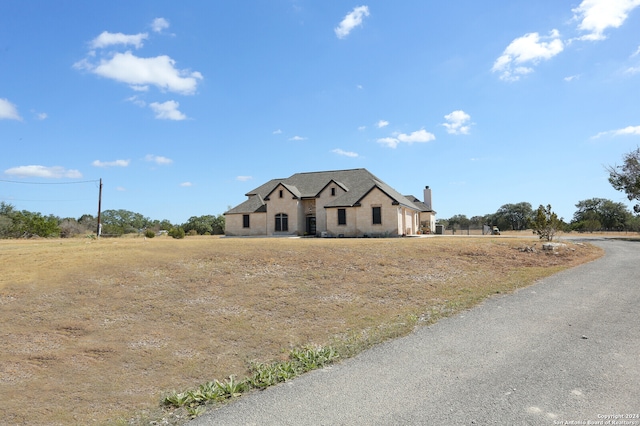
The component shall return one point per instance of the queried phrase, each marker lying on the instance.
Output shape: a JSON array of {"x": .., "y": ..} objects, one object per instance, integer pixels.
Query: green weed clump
[{"x": 262, "y": 376}]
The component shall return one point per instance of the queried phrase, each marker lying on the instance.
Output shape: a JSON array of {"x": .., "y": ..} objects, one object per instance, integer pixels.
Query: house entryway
[{"x": 311, "y": 225}]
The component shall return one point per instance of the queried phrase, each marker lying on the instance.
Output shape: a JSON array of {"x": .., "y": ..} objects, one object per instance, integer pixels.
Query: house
[{"x": 341, "y": 203}]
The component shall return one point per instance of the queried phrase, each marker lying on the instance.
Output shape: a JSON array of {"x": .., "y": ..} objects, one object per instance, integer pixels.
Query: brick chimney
[{"x": 427, "y": 197}]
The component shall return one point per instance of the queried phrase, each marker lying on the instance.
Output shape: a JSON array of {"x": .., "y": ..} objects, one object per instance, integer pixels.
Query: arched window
[{"x": 282, "y": 222}]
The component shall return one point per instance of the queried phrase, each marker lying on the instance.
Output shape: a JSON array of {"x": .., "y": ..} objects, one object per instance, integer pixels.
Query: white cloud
[
  {"x": 572, "y": 77},
  {"x": 382, "y": 123},
  {"x": 345, "y": 153},
  {"x": 55, "y": 172},
  {"x": 277, "y": 132},
  {"x": 419, "y": 136},
  {"x": 42, "y": 116},
  {"x": 244, "y": 178},
  {"x": 137, "y": 101},
  {"x": 167, "y": 110},
  {"x": 162, "y": 161},
  {"x": 139, "y": 72},
  {"x": 107, "y": 39},
  {"x": 390, "y": 142},
  {"x": 629, "y": 130},
  {"x": 8, "y": 111},
  {"x": 458, "y": 123},
  {"x": 528, "y": 49},
  {"x": 352, "y": 20},
  {"x": 116, "y": 163},
  {"x": 632, "y": 70},
  {"x": 186, "y": 184},
  {"x": 120, "y": 188},
  {"x": 297, "y": 138},
  {"x": 596, "y": 16},
  {"x": 159, "y": 24},
  {"x": 362, "y": 128}
]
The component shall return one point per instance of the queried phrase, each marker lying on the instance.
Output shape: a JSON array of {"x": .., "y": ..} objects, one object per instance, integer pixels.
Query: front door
[{"x": 311, "y": 225}]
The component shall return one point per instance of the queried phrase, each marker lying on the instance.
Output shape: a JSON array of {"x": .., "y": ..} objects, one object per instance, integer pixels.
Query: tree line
[
  {"x": 594, "y": 214},
  {"x": 25, "y": 224}
]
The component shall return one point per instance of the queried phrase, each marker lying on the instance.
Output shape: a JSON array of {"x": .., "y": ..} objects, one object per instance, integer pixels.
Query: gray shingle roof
[
  {"x": 423, "y": 207},
  {"x": 356, "y": 182}
]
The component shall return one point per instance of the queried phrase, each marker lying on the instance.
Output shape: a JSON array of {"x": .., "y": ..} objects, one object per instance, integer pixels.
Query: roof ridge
[{"x": 328, "y": 171}]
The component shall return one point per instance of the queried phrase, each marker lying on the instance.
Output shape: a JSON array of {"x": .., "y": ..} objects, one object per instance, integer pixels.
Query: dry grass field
[{"x": 97, "y": 331}]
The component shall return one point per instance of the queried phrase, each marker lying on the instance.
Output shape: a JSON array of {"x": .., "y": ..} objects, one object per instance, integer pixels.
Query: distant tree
[
  {"x": 218, "y": 225},
  {"x": 513, "y": 216},
  {"x": 546, "y": 223},
  {"x": 118, "y": 222},
  {"x": 70, "y": 227},
  {"x": 208, "y": 224},
  {"x": 458, "y": 221},
  {"x": 627, "y": 177},
  {"x": 26, "y": 224},
  {"x": 165, "y": 225},
  {"x": 477, "y": 221},
  {"x": 633, "y": 224},
  {"x": 6, "y": 220},
  {"x": 89, "y": 222},
  {"x": 599, "y": 213},
  {"x": 588, "y": 223}
]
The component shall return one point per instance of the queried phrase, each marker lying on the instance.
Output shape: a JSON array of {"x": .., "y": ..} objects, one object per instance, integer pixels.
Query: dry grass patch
[{"x": 98, "y": 331}]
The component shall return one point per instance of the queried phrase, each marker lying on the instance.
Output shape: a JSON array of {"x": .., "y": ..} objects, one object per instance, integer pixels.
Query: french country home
[{"x": 340, "y": 203}]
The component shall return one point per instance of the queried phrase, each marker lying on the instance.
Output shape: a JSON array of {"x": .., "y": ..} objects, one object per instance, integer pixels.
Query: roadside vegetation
[
  {"x": 592, "y": 215},
  {"x": 126, "y": 330},
  {"x": 115, "y": 223}
]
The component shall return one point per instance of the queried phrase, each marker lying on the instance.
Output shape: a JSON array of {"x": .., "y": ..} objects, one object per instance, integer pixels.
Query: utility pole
[{"x": 99, "y": 208}]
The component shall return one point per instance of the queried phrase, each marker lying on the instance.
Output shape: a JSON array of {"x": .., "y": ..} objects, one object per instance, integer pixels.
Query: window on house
[
  {"x": 377, "y": 215},
  {"x": 342, "y": 216},
  {"x": 281, "y": 194},
  {"x": 333, "y": 192},
  {"x": 245, "y": 221},
  {"x": 282, "y": 222}
]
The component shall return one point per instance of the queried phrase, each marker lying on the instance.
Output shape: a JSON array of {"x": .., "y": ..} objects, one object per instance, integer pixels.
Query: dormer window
[{"x": 333, "y": 192}]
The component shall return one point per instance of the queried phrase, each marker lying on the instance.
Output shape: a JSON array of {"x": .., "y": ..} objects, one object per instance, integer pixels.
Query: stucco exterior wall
[
  {"x": 323, "y": 223},
  {"x": 389, "y": 214},
  {"x": 288, "y": 205},
  {"x": 409, "y": 221},
  {"x": 234, "y": 225},
  {"x": 348, "y": 230}
]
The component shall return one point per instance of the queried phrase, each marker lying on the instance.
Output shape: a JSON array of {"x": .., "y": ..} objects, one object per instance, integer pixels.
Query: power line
[{"x": 50, "y": 183}]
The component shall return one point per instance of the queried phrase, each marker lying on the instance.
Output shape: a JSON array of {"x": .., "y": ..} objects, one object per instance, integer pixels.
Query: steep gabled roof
[
  {"x": 357, "y": 183},
  {"x": 291, "y": 188}
]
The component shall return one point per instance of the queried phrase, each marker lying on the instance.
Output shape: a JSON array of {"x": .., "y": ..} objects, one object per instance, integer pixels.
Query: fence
[{"x": 468, "y": 230}]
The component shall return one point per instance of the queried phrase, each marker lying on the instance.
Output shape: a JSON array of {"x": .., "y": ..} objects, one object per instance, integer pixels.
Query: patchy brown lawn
[{"x": 97, "y": 331}]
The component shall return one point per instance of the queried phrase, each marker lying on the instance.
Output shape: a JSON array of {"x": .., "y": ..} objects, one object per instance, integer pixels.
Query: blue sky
[{"x": 183, "y": 107}]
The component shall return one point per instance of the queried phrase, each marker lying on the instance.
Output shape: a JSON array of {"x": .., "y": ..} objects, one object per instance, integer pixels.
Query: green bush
[
  {"x": 149, "y": 233},
  {"x": 176, "y": 232}
]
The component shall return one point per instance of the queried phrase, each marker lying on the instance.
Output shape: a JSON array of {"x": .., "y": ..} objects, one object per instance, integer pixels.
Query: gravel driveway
[{"x": 564, "y": 351}]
